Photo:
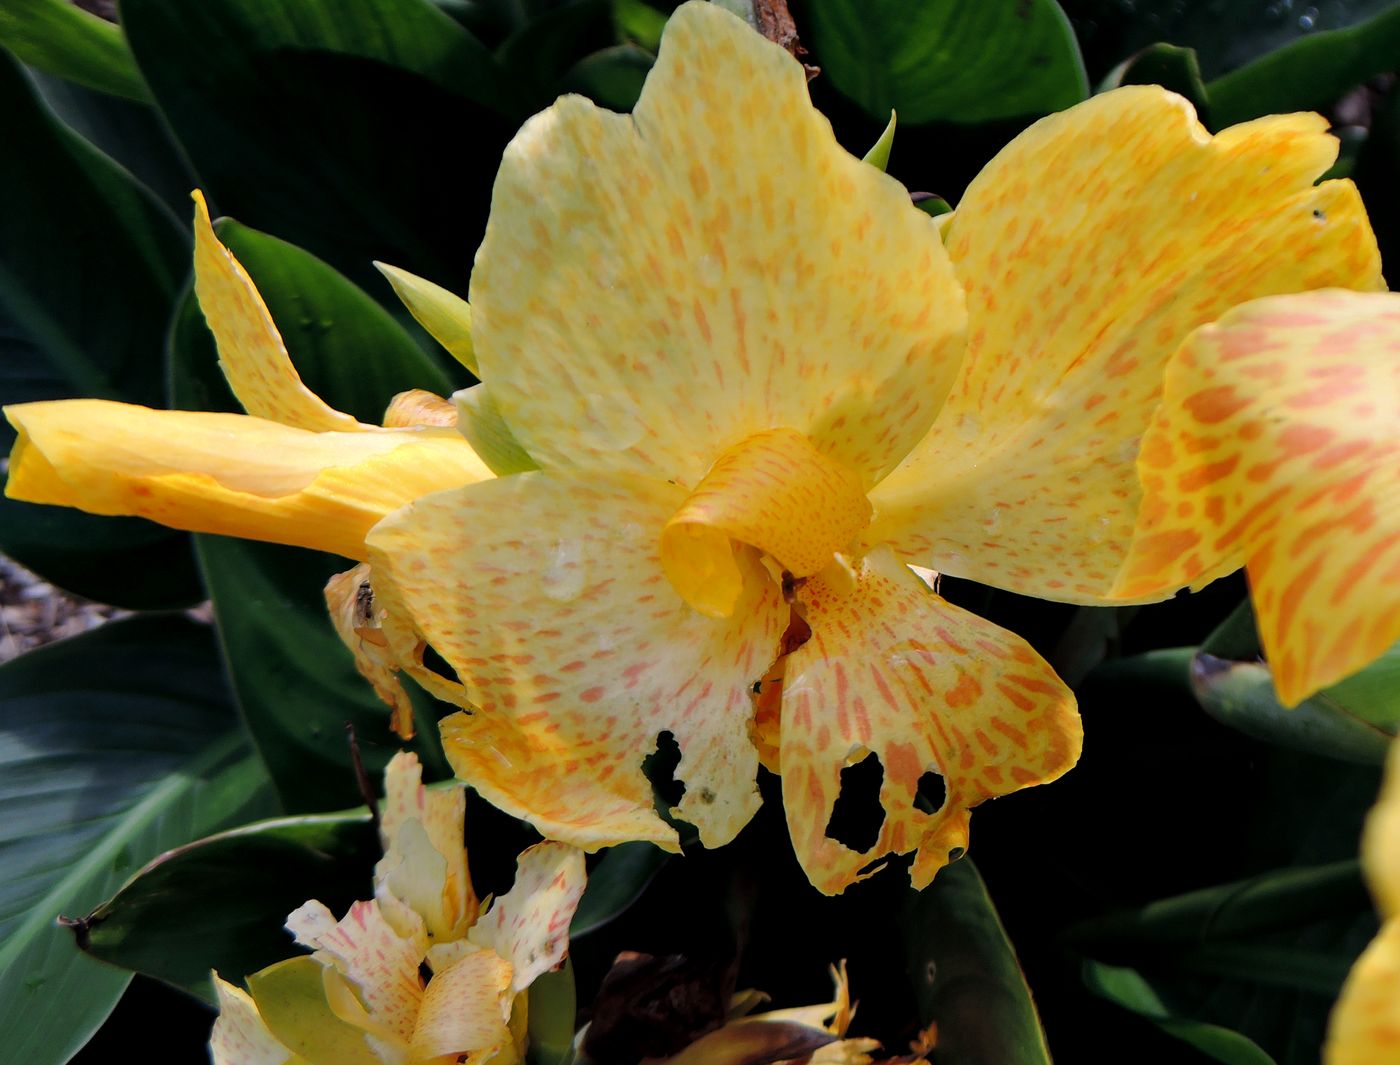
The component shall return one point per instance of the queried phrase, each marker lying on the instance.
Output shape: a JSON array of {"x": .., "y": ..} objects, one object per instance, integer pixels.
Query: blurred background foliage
[{"x": 1189, "y": 893}]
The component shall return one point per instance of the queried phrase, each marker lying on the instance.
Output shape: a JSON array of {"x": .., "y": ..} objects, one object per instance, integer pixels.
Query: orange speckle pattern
[
  {"x": 1091, "y": 246},
  {"x": 1277, "y": 446},
  {"x": 895, "y": 670},
  {"x": 566, "y": 596},
  {"x": 774, "y": 492},
  {"x": 800, "y": 290},
  {"x": 417, "y": 407}
]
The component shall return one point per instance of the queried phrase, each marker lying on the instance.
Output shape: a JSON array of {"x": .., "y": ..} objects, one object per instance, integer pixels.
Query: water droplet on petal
[
  {"x": 566, "y": 573},
  {"x": 609, "y": 423}
]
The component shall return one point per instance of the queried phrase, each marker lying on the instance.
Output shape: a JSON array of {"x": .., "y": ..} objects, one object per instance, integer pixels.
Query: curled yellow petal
[
  {"x": 1091, "y": 246},
  {"x": 358, "y": 623},
  {"x": 229, "y": 473},
  {"x": 251, "y": 351},
  {"x": 1277, "y": 445},
  {"x": 633, "y": 264},
  {"x": 465, "y": 1008},
  {"x": 774, "y": 492},
  {"x": 416, "y": 408}
]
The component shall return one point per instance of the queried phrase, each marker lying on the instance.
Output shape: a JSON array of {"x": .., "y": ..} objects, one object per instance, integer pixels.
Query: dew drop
[
  {"x": 609, "y": 423},
  {"x": 566, "y": 573},
  {"x": 1308, "y": 19}
]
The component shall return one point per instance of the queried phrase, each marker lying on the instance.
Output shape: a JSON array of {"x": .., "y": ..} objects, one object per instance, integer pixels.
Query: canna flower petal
[
  {"x": 529, "y": 925},
  {"x": 466, "y": 1008},
  {"x": 251, "y": 351},
  {"x": 715, "y": 256},
  {"x": 893, "y": 669},
  {"x": 1277, "y": 446},
  {"x": 229, "y": 473},
  {"x": 574, "y": 653},
  {"x": 1091, "y": 246},
  {"x": 240, "y": 1037},
  {"x": 359, "y": 624},
  {"x": 292, "y": 1001}
]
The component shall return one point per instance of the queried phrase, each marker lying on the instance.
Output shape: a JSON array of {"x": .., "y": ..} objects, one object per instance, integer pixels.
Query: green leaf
[
  {"x": 295, "y": 681},
  {"x": 879, "y": 154},
  {"x": 1128, "y": 989},
  {"x": 343, "y": 343},
  {"x": 357, "y": 131},
  {"x": 1309, "y": 74},
  {"x": 480, "y": 420},
  {"x": 291, "y": 1000},
  {"x": 445, "y": 315},
  {"x": 541, "y": 51},
  {"x": 957, "y": 61},
  {"x": 90, "y": 265},
  {"x": 61, "y": 38},
  {"x": 639, "y": 22},
  {"x": 966, "y": 976},
  {"x": 550, "y": 1015},
  {"x": 1169, "y": 66},
  {"x": 114, "y": 746},
  {"x": 614, "y": 884},
  {"x": 220, "y": 903},
  {"x": 612, "y": 76},
  {"x": 1241, "y": 695}
]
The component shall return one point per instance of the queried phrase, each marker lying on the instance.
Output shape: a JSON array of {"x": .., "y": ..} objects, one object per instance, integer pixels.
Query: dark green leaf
[
  {"x": 220, "y": 903},
  {"x": 359, "y": 132},
  {"x": 539, "y": 54},
  {"x": 1241, "y": 695},
  {"x": 1166, "y": 65},
  {"x": 957, "y": 61},
  {"x": 966, "y": 976},
  {"x": 90, "y": 265},
  {"x": 615, "y": 883},
  {"x": 1311, "y": 73},
  {"x": 62, "y": 39},
  {"x": 612, "y": 77},
  {"x": 1235, "y": 638},
  {"x": 552, "y": 1009},
  {"x": 1129, "y": 990},
  {"x": 113, "y": 747}
]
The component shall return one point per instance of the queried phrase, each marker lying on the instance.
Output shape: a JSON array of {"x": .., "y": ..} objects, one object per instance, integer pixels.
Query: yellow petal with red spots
[
  {"x": 451, "y": 903},
  {"x": 465, "y": 1008},
  {"x": 545, "y": 593},
  {"x": 229, "y": 473},
  {"x": 251, "y": 351},
  {"x": 774, "y": 492},
  {"x": 1090, "y": 248},
  {"x": 358, "y": 623},
  {"x": 365, "y": 949},
  {"x": 711, "y": 266},
  {"x": 240, "y": 1037},
  {"x": 529, "y": 925},
  {"x": 1277, "y": 445},
  {"x": 895, "y": 671}
]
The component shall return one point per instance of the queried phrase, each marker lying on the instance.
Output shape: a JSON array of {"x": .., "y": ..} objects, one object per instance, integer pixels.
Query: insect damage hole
[
  {"x": 857, "y": 816},
  {"x": 660, "y": 768},
  {"x": 931, "y": 793}
]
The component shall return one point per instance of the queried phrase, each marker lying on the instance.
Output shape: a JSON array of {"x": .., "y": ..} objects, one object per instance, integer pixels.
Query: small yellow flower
[
  {"x": 360, "y": 998},
  {"x": 1365, "y": 1025},
  {"x": 736, "y": 389}
]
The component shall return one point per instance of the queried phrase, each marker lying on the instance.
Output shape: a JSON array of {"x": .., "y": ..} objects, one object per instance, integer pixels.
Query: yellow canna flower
[
  {"x": 360, "y": 999},
  {"x": 292, "y": 470},
  {"x": 1365, "y": 1024},
  {"x": 735, "y": 387}
]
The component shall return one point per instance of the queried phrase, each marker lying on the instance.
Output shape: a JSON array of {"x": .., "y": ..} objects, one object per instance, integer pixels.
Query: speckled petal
[
  {"x": 710, "y": 266},
  {"x": 229, "y": 473},
  {"x": 1277, "y": 445},
  {"x": 417, "y": 407},
  {"x": 1091, "y": 247},
  {"x": 240, "y": 1037},
  {"x": 1365, "y": 1024},
  {"x": 350, "y": 602},
  {"x": 251, "y": 351},
  {"x": 529, "y": 925},
  {"x": 773, "y": 491},
  {"x": 380, "y": 963},
  {"x": 440, "y": 813},
  {"x": 545, "y": 593},
  {"x": 894, "y": 670},
  {"x": 465, "y": 1008}
]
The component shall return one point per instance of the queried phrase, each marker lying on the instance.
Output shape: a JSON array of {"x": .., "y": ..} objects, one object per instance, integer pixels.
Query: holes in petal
[
  {"x": 660, "y": 768},
  {"x": 931, "y": 793},
  {"x": 435, "y": 663},
  {"x": 857, "y": 816}
]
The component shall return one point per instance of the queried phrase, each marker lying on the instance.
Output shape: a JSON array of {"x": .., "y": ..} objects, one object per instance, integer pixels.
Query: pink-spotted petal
[
  {"x": 465, "y": 1008},
  {"x": 529, "y": 925}
]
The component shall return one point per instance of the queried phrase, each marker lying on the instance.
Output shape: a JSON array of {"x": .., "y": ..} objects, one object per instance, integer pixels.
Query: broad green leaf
[
  {"x": 551, "y": 1011},
  {"x": 612, "y": 76},
  {"x": 957, "y": 61},
  {"x": 1311, "y": 73},
  {"x": 966, "y": 976},
  {"x": 90, "y": 265},
  {"x": 61, "y": 38},
  {"x": 538, "y": 55},
  {"x": 1166, "y": 65},
  {"x": 614, "y": 884},
  {"x": 216, "y": 904},
  {"x": 1241, "y": 695},
  {"x": 1128, "y": 989},
  {"x": 294, "y": 680},
  {"x": 357, "y": 131},
  {"x": 639, "y": 22},
  {"x": 114, "y": 746}
]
